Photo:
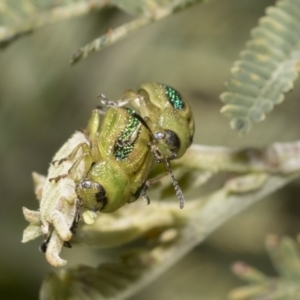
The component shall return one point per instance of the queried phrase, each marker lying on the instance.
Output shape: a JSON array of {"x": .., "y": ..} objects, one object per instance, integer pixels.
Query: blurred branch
[
  {"x": 110, "y": 37},
  {"x": 151, "y": 13},
  {"x": 137, "y": 269},
  {"x": 29, "y": 17},
  {"x": 192, "y": 225},
  {"x": 278, "y": 157},
  {"x": 32, "y": 18}
]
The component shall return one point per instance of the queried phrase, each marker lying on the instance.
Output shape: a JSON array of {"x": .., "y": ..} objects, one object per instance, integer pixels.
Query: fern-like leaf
[
  {"x": 267, "y": 68},
  {"x": 285, "y": 257}
]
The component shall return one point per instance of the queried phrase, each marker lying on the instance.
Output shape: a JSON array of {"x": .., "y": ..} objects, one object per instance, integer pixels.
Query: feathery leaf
[
  {"x": 267, "y": 68},
  {"x": 285, "y": 257}
]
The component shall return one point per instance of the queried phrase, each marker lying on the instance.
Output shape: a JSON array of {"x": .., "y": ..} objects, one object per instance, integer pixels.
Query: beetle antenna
[
  {"x": 67, "y": 244},
  {"x": 144, "y": 123},
  {"x": 177, "y": 188},
  {"x": 106, "y": 102},
  {"x": 110, "y": 103},
  {"x": 102, "y": 110},
  {"x": 144, "y": 194}
]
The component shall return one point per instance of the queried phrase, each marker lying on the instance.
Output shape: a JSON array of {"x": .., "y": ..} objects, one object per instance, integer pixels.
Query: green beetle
[
  {"x": 108, "y": 164},
  {"x": 124, "y": 147},
  {"x": 168, "y": 115},
  {"x": 168, "y": 118},
  {"x": 121, "y": 160}
]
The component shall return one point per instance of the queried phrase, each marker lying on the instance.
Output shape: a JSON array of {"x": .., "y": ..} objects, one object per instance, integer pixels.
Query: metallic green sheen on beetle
[
  {"x": 108, "y": 164},
  {"x": 167, "y": 114},
  {"x": 125, "y": 146},
  {"x": 169, "y": 117},
  {"x": 121, "y": 161}
]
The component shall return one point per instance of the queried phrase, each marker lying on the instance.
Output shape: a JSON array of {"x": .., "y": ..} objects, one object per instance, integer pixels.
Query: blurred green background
[{"x": 43, "y": 101}]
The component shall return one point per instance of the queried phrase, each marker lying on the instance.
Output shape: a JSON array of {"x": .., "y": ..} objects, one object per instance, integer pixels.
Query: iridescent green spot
[
  {"x": 126, "y": 140},
  {"x": 174, "y": 98},
  {"x": 121, "y": 152}
]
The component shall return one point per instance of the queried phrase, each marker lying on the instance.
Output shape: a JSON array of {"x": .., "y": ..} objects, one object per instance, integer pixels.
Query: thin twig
[
  {"x": 279, "y": 157},
  {"x": 113, "y": 35},
  {"x": 38, "y": 19}
]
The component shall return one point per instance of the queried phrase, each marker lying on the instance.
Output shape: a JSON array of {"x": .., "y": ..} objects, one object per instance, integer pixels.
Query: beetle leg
[
  {"x": 76, "y": 218},
  {"x": 84, "y": 146},
  {"x": 155, "y": 180},
  {"x": 150, "y": 182},
  {"x": 72, "y": 171},
  {"x": 44, "y": 245},
  {"x": 127, "y": 97},
  {"x": 92, "y": 127}
]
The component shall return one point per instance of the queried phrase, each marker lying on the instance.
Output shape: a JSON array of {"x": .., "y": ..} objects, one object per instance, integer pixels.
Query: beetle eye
[
  {"x": 101, "y": 196},
  {"x": 92, "y": 194},
  {"x": 172, "y": 140}
]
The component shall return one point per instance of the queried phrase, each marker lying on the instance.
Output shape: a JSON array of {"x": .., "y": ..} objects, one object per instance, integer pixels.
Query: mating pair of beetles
[
  {"x": 122, "y": 149},
  {"x": 108, "y": 164}
]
